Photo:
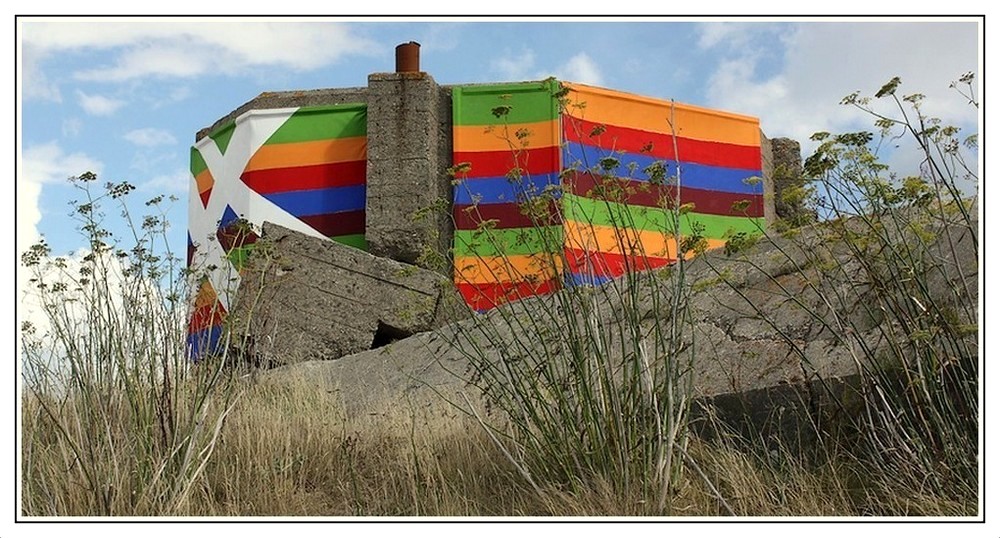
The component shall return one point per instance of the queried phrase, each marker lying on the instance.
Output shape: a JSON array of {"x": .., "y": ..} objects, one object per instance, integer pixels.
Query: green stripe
[
  {"x": 528, "y": 102},
  {"x": 323, "y": 123},
  {"x": 222, "y": 135},
  {"x": 197, "y": 162},
  {"x": 238, "y": 256},
  {"x": 601, "y": 213},
  {"x": 508, "y": 241},
  {"x": 353, "y": 240}
]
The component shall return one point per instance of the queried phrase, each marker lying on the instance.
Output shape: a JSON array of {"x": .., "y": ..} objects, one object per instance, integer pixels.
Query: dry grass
[{"x": 290, "y": 451}]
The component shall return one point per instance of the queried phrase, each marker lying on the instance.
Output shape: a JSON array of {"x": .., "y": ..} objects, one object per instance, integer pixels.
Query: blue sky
[{"x": 124, "y": 98}]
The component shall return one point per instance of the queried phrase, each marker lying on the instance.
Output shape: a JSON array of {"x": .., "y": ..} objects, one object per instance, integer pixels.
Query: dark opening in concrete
[{"x": 387, "y": 334}]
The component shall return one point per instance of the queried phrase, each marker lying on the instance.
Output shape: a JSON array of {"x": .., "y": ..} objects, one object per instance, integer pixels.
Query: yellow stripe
[
  {"x": 335, "y": 150},
  {"x": 206, "y": 296},
  {"x": 495, "y": 269},
  {"x": 593, "y": 238},
  {"x": 539, "y": 134},
  {"x": 628, "y": 110},
  {"x": 204, "y": 180}
]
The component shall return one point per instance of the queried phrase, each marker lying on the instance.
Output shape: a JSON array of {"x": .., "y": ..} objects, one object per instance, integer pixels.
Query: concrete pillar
[
  {"x": 767, "y": 171},
  {"x": 409, "y": 152}
]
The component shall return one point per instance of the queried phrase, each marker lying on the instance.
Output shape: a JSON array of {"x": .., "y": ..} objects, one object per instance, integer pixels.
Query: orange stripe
[
  {"x": 514, "y": 268},
  {"x": 599, "y": 105},
  {"x": 336, "y": 150},
  {"x": 206, "y": 296},
  {"x": 204, "y": 180},
  {"x": 508, "y": 137},
  {"x": 593, "y": 238}
]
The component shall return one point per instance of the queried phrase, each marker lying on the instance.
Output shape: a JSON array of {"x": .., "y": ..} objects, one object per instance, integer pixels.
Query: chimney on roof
[{"x": 408, "y": 57}]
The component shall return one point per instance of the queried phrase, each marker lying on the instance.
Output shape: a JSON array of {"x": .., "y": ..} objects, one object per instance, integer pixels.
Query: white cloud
[
  {"x": 176, "y": 182},
  {"x": 35, "y": 83},
  {"x": 40, "y": 165},
  {"x": 71, "y": 127},
  {"x": 581, "y": 68},
  {"x": 513, "y": 66},
  {"x": 823, "y": 62},
  {"x": 98, "y": 105},
  {"x": 188, "y": 47},
  {"x": 523, "y": 66},
  {"x": 150, "y": 137}
]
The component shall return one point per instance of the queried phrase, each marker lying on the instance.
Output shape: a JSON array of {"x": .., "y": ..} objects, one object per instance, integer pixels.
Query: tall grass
[
  {"x": 116, "y": 418},
  {"x": 899, "y": 289},
  {"x": 590, "y": 388}
]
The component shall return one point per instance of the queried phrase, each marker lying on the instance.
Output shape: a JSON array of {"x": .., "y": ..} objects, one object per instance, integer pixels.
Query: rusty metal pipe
[{"x": 408, "y": 57}]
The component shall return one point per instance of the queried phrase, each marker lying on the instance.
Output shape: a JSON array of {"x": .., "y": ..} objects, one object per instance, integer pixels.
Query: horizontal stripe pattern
[
  {"x": 203, "y": 179},
  {"x": 486, "y": 296},
  {"x": 611, "y": 107},
  {"x": 637, "y": 192},
  {"x": 308, "y": 153},
  {"x": 505, "y": 137},
  {"x": 607, "y": 265},
  {"x": 507, "y": 241},
  {"x": 501, "y": 190},
  {"x": 634, "y": 165},
  {"x": 501, "y": 216},
  {"x": 660, "y": 145},
  {"x": 301, "y": 178},
  {"x": 314, "y": 167},
  {"x": 504, "y": 162},
  {"x": 501, "y": 253},
  {"x": 535, "y": 267},
  {"x": 603, "y": 213}
]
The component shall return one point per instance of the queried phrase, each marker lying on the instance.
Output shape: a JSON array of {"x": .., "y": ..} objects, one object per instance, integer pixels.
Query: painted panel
[
  {"x": 302, "y": 168},
  {"x": 506, "y": 152},
  {"x": 628, "y": 160}
]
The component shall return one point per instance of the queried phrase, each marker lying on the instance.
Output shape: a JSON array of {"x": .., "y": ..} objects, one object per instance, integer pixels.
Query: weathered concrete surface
[
  {"x": 304, "y": 298},
  {"x": 769, "y": 340},
  {"x": 409, "y": 152}
]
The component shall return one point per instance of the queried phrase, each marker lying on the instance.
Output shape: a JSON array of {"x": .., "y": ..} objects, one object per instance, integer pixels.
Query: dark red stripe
[
  {"x": 469, "y": 217},
  {"x": 660, "y": 145},
  {"x": 301, "y": 178},
  {"x": 234, "y": 236},
  {"x": 499, "y": 163},
  {"x": 643, "y": 193},
  {"x": 334, "y": 224},
  {"x": 486, "y": 296},
  {"x": 607, "y": 264}
]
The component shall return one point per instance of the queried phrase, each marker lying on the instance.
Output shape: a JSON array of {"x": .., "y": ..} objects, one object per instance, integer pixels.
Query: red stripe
[
  {"x": 643, "y": 193},
  {"x": 660, "y": 145},
  {"x": 301, "y": 178},
  {"x": 469, "y": 217},
  {"x": 205, "y": 196},
  {"x": 486, "y": 296},
  {"x": 499, "y": 163},
  {"x": 209, "y": 315},
  {"x": 604, "y": 264},
  {"x": 334, "y": 224}
]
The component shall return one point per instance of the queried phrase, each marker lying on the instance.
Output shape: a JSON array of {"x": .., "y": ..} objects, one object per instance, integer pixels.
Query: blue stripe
[
  {"x": 578, "y": 279},
  {"x": 204, "y": 343},
  {"x": 699, "y": 176},
  {"x": 500, "y": 190},
  {"x": 320, "y": 201}
]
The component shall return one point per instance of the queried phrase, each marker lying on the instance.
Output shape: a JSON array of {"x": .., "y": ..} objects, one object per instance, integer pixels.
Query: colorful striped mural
[
  {"x": 631, "y": 160},
  {"x": 610, "y": 162},
  {"x": 507, "y": 159},
  {"x": 302, "y": 168}
]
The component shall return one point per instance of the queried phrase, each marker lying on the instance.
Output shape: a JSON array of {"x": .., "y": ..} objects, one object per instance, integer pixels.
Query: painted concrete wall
[
  {"x": 533, "y": 203},
  {"x": 562, "y": 184}
]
